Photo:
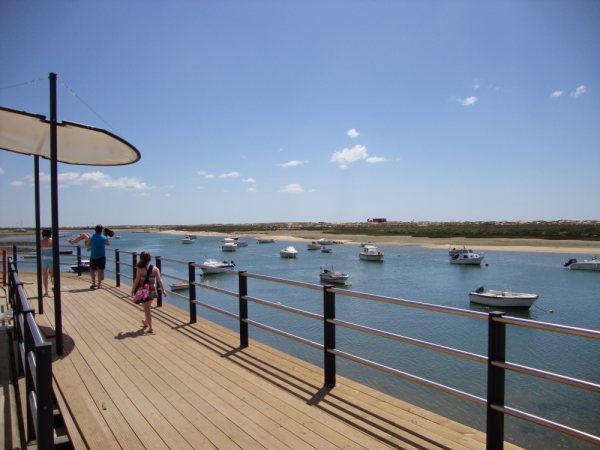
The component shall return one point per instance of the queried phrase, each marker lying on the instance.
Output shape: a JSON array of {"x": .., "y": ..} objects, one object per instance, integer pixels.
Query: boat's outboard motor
[
  {"x": 480, "y": 289},
  {"x": 569, "y": 262}
]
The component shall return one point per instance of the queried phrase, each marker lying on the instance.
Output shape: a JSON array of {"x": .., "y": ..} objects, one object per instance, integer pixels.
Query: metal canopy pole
[
  {"x": 54, "y": 195},
  {"x": 38, "y": 250}
]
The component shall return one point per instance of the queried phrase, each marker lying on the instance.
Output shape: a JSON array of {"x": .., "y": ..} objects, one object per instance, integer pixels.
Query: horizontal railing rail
[
  {"x": 34, "y": 362},
  {"x": 496, "y": 331}
]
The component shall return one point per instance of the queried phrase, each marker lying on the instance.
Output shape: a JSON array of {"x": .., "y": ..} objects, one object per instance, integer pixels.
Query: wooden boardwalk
[{"x": 190, "y": 386}]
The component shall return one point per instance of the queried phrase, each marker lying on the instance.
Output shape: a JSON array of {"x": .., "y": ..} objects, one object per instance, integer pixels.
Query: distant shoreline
[{"x": 495, "y": 244}]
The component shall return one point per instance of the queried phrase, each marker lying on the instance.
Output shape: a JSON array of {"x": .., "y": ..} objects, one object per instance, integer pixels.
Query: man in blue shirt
[{"x": 98, "y": 244}]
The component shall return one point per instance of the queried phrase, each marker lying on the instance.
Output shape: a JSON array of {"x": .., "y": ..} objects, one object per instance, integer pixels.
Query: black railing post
[
  {"x": 15, "y": 257},
  {"x": 78, "y": 261},
  {"x": 160, "y": 296},
  {"x": 495, "y": 382},
  {"x": 192, "y": 282},
  {"x": 28, "y": 370},
  {"x": 329, "y": 335},
  {"x": 134, "y": 263},
  {"x": 117, "y": 268},
  {"x": 45, "y": 416},
  {"x": 243, "y": 292}
]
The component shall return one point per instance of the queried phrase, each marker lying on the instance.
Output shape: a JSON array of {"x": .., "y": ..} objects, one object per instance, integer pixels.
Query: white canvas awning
[{"x": 27, "y": 133}]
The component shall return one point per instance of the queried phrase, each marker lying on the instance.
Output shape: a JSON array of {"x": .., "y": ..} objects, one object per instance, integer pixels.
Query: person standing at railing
[
  {"x": 98, "y": 243},
  {"x": 147, "y": 273},
  {"x": 47, "y": 261},
  {"x": 84, "y": 236}
]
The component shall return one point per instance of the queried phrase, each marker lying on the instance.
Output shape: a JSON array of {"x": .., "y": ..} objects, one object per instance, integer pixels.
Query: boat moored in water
[
  {"x": 587, "y": 264},
  {"x": 328, "y": 275},
  {"x": 466, "y": 257},
  {"x": 84, "y": 266},
  {"x": 214, "y": 266},
  {"x": 265, "y": 240},
  {"x": 188, "y": 239},
  {"x": 314, "y": 245},
  {"x": 370, "y": 252},
  {"x": 229, "y": 245},
  {"x": 179, "y": 286},
  {"x": 502, "y": 299},
  {"x": 288, "y": 252}
]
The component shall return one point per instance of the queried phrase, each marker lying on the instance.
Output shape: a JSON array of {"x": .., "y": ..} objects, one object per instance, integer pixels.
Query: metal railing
[
  {"x": 34, "y": 361},
  {"x": 495, "y": 360}
]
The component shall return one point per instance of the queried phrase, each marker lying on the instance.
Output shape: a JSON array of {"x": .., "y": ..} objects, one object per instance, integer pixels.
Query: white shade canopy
[{"x": 27, "y": 133}]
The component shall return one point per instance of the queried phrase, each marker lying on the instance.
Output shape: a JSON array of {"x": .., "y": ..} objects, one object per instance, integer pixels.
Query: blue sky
[{"x": 261, "y": 111}]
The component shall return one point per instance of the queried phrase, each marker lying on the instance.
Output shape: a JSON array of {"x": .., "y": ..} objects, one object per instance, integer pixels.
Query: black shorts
[{"x": 98, "y": 263}]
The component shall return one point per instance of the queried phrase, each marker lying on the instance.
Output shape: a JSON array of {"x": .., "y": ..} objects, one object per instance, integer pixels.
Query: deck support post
[
  {"x": 329, "y": 336},
  {"x": 192, "y": 282},
  {"x": 134, "y": 263},
  {"x": 159, "y": 298},
  {"x": 243, "y": 303},
  {"x": 117, "y": 267},
  {"x": 78, "y": 261},
  {"x": 38, "y": 248},
  {"x": 45, "y": 400},
  {"x": 495, "y": 381}
]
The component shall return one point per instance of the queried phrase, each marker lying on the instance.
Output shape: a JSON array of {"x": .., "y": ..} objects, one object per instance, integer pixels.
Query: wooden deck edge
[{"x": 73, "y": 431}]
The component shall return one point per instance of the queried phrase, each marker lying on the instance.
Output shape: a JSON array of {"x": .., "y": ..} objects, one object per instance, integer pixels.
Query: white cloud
[
  {"x": 375, "y": 159},
  {"x": 293, "y": 189},
  {"x": 352, "y": 133},
  {"x": 95, "y": 180},
  {"x": 468, "y": 101},
  {"x": 349, "y": 155},
  {"x": 579, "y": 91},
  {"x": 293, "y": 163},
  {"x": 205, "y": 174},
  {"x": 248, "y": 180},
  {"x": 1, "y": 171},
  {"x": 557, "y": 94},
  {"x": 17, "y": 183},
  {"x": 251, "y": 189},
  {"x": 229, "y": 175}
]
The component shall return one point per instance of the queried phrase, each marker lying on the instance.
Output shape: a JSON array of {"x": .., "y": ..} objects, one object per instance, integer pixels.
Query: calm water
[{"x": 422, "y": 274}]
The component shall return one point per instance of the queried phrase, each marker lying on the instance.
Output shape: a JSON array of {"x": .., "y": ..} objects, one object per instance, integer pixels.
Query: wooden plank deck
[{"x": 190, "y": 386}]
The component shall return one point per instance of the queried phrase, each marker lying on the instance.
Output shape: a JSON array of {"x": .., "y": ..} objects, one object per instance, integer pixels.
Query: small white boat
[
  {"x": 325, "y": 249},
  {"x": 314, "y": 245},
  {"x": 288, "y": 252},
  {"x": 179, "y": 286},
  {"x": 214, "y": 266},
  {"x": 502, "y": 299},
  {"x": 188, "y": 240},
  {"x": 84, "y": 266},
  {"x": 328, "y": 275},
  {"x": 324, "y": 241},
  {"x": 586, "y": 264},
  {"x": 466, "y": 257},
  {"x": 370, "y": 253},
  {"x": 229, "y": 245},
  {"x": 237, "y": 241},
  {"x": 265, "y": 240}
]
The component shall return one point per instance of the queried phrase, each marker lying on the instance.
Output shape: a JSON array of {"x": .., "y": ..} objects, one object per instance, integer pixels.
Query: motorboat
[
  {"x": 325, "y": 249},
  {"x": 84, "y": 266},
  {"x": 237, "y": 241},
  {"x": 586, "y": 264},
  {"x": 229, "y": 245},
  {"x": 214, "y": 266},
  {"x": 502, "y": 299},
  {"x": 179, "y": 286},
  {"x": 265, "y": 240},
  {"x": 188, "y": 240},
  {"x": 466, "y": 257},
  {"x": 370, "y": 253},
  {"x": 314, "y": 245},
  {"x": 324, "y": 241},
  {"x": 328, "y": 275},
  {"x": 288, "y": 252},
  {"x": 455, "y": 251}
]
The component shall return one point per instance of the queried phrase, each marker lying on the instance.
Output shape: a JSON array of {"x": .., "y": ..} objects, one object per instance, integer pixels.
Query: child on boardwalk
[
  {"x": 47, "y": 261},
  {"x": 147, "y": 273}
]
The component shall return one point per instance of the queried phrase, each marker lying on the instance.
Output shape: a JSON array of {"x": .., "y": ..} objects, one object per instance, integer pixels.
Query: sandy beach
[{"x": 508, "y": 245}]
